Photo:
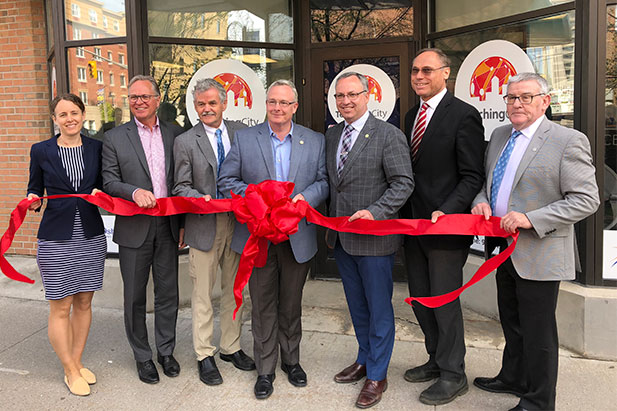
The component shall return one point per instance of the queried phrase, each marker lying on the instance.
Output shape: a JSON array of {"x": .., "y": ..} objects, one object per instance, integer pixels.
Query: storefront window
[
  {"x": 549, "y": 43},
  {"x": 91, "y": 78},
  {"x": 242, "y": 20},
  {"x": 173, "y": 66},
  {"x": 451, "y": 14},
  {"x": 344, "y": 20},
  {"x": 610, "y": 164},
  {"x": 91, "y": 20},
  {"x": 50, "y": 25}
]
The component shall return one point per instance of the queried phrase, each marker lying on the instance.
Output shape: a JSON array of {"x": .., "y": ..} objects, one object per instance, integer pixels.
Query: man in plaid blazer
[{"x": 370, "y": 178}]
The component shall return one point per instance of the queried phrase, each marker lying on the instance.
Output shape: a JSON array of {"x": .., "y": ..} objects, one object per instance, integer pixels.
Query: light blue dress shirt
[{"x": 281, "y": 152}]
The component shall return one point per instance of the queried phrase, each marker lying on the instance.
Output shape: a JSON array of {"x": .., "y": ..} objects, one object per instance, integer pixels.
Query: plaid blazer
[{"x": 377, "y": 177}]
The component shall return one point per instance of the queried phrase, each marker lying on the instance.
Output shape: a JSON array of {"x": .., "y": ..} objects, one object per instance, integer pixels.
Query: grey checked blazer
[
  {"x": 555, "y": 186},
  {"x": 377, "y": 177},
  {"x": 195, "y": 175},
  {"x": 250, "y": 161}
]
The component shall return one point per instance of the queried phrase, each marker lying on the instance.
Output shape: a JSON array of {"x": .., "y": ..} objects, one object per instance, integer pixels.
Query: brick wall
[{"x": 24, "y": 116}]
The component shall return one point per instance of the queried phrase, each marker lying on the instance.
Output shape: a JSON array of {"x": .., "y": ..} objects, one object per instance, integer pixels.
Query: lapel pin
[
  {"x": 534, "y": 149},
  {"x": 366, "y": 136},
  {"x": 301, "y": 141}
]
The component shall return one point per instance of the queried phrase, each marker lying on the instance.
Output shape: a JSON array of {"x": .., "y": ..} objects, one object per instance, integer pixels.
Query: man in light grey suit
[
  {"x": 198, "y": 155},
  {"x": 284, "y": 151},
  {"x": 370, "y": 176},
  {"x": 540, "y": 180},
  {"x": 138, "y": 166}
]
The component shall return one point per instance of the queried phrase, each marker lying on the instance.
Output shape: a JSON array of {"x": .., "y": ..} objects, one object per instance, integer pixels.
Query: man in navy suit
[{"x": 278, "y": 150}]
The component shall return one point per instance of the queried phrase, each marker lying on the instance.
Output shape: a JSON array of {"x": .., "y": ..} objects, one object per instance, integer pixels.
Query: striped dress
[{"x": 76, "y": 265}]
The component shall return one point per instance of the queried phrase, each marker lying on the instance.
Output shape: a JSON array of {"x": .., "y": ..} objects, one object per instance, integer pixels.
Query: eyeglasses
[
  {"x": 351, "y": 96},
  {"x": 144, "y": 97},
  {"x": 524, "y": 99},
  {"x": 427, "y": 71},
  {"x": 282, "y": 103}
]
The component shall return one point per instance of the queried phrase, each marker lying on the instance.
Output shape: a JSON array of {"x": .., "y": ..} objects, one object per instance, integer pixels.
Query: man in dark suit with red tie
[{"x": 446, "y": 140}]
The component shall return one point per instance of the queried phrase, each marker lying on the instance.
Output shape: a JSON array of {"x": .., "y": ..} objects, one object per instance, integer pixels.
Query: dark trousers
[
  {"x": 276, "y": 296},
  {"x": 159, "y": 251},
  {"x": 530, "y": 357},
  {"x": 367, "y": 281},
  {"x": 433, "y": 272}
]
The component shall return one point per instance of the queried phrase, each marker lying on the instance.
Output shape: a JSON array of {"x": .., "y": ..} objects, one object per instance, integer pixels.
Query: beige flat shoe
[
  {"x": 88, "y": 376},
  {"x": 79, "y": 387}
]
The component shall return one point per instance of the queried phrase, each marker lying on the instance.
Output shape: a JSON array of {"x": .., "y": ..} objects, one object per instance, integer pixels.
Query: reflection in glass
[
  {"x": 91, "y": 20},
  {"x": 173, "y": 66},
  {"x": 91, "y": 78},
  {"x": 450, "y": 14},
  {"x": 344, "y": 20},
  {"x": 610, "y": 102},
  {"x": 549, "y": 43},
  {"x": 265, "y": 22}
]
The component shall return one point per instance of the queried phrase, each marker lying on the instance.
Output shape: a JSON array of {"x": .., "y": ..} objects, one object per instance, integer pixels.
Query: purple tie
[{"x": 346, "y": 147}]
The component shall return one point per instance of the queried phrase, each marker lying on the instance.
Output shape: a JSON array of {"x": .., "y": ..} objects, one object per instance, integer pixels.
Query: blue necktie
[
  {"x": 221, "y": 156},
  {"x": 345, "y": 148},
  {"x": 500, "y": 168}
]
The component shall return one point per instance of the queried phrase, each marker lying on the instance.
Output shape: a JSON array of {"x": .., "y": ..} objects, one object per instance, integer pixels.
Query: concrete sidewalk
[{"x": 31, "y": 375}]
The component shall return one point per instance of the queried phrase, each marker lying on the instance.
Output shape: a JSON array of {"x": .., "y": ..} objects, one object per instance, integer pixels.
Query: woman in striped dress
[{"x": 71, "y": 246}]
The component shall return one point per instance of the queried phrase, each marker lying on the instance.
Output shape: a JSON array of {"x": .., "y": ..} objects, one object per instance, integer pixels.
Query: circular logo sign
[
  {"x": 382, "y": 95},
  {"x": 246, "y": 95},
  {"x": 481, "y": 80}
]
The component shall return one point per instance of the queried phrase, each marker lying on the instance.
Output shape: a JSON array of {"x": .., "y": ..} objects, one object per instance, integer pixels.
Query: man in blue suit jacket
[{"x": 278, "y": 150}]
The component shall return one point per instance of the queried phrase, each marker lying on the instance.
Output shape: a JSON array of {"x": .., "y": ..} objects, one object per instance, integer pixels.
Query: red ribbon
[{"x": 269, "y": 214}]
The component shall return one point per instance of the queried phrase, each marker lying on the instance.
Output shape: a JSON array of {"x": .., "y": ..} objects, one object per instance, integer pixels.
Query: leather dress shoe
[
  {"x": 518, "y": 408},
  {"x": 496, "y": 385},
  {"x": 240, "y": 360},
  {"x": 264, "y": 387},
  {"x": 171, "y": 368},
  {"x": 444, "y": 391},
  {"x": 147, "y": 372},
  {"x": 295, "y": 374},
  {"x": 355, "y": 372},
  {"x": 208, "y": 372},
  {"x": 424, "y": 372},
  {"x": 371, "y": 393}
]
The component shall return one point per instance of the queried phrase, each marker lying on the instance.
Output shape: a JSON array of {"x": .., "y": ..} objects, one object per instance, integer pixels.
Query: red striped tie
[{"x": 418, "y": 131}]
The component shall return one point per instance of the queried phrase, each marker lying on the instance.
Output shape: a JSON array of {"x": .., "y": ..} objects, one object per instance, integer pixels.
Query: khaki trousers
[{"x": 203, "y": 269}]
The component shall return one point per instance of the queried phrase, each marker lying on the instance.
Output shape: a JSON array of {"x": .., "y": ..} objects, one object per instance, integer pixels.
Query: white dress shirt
[
  {"x": 212, "y": 138},
  {"x": 433, "y": 102},
  {"x": 520, "y": 146},
  {"x": 357, "y": 125}
]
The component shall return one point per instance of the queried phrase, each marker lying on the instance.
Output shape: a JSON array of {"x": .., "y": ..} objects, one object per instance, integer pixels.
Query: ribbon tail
[
  {"x": 245, "y": 268},
  {"x": 17, "y": 218},
  {"x": 485, "y": 269}
]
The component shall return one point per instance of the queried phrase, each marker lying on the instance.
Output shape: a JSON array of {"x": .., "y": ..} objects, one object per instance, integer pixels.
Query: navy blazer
[{"x": 48, "y": 174}]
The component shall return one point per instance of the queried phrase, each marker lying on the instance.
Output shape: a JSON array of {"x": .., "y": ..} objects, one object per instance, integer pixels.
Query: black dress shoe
[
  {"x": 295, "y": 374},
  {"x": 264, "y": 387},
  {"x": 518, "y": 408},
  {"x": 496, "y": 385},
  {"x": 240, "y": 360},
  {"x": 208, "y": 372},
  {"x": 444, "y": 391},
  {"x": 147, "y": 372},
  {"x": 424, "y": 372},
  {"x": 171, "y": 368}
]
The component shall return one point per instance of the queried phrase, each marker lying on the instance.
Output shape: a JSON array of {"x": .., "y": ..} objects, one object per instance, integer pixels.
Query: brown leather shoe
[
  {"x": 371, "y": 393},
  {"x": 355, "y": 372}
]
